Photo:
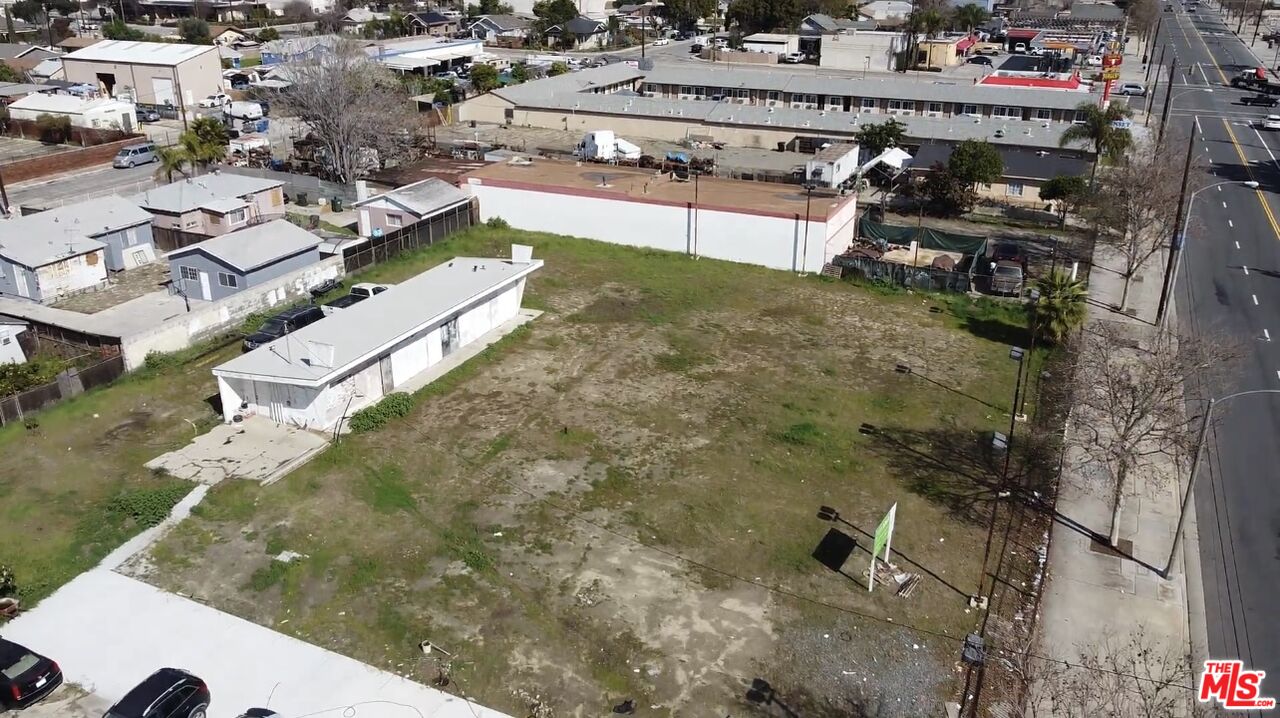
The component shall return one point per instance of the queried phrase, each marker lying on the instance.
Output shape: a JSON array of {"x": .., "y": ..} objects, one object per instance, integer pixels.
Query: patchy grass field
[
  {"x": 73, "y": 485},
  {"x": 618, "y": 501}
]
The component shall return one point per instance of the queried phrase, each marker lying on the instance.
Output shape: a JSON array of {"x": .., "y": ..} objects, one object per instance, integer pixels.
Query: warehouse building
[{"x": 152, "y": 73}]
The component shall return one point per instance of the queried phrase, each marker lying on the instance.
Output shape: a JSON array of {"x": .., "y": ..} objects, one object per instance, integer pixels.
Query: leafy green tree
[
  {"x": 298, "y": 11},
  {"x": 752, "y": 16},
  {"x": 947, "y": 194},
  {"x": 1100, "y": 133},
  {"x": 117, "y": 30},
  {"x": 969, "y": 16},
  {"x": 205, "y": 141},
  {"x": 878, "y": 138},
  {"x": 519, "y": 72},
  {"x": 1061, "y": 308},
  {"x": 194, "y": 31},
  {"x": 171, "y": 160},
  {"x": 975, "y": 162},
  {"x": 268, "y": 34},
  {"x": 53, "y": 129},
  {"x": 557, "y": 68},
  {"x": 489, "y": 7},
  {"x": 484, "y": 78},
  {"x": 684, "y": 14},
  {"x": 555, "y": 12},
  {"x": 36, "y": 11},
  {"x": 927, "y": 22},
  {"x": 1069, "y": 191},
  {"x": 8, "y": 74}
]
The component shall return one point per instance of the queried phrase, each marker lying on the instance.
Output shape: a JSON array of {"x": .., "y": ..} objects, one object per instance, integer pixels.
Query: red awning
[
  {"x": 1022, "y": 34},
  {"x": 1033, "y": 82},
  {"x": 965, "y": 44}
]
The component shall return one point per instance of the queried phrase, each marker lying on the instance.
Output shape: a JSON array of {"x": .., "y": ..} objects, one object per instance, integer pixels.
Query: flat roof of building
[
  {"x": 129, "y": 52},
  {"x": 365, "y": 330},
  {"x": 638, "y": 185}
]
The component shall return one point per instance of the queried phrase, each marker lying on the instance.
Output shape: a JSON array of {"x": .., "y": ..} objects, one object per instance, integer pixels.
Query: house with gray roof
[
  {"x": 122, "y": 226},
  {"x": 230, "y": 263},
  {"x": 320, "y": 374},
  {"x": 212, "y": 204},
  {"x": 1025, "y": 171},
  {"x": 57, "y": 260},
  {"x": 819, "y": 24},
  {"x": 407, "y": 206},
  {"x": 491, "y": 27},
  {"x": 580, "y": 33}
]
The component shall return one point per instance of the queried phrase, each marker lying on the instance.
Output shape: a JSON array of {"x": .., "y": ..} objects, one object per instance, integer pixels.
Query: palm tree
[
  {"x": 1099, "y": 129},
  {"x": 170, "y": 160},
  {"x": 969, "y": 16},
  {"x": 1060, "y": 309},
  {"x": 927, "y": 22},
  {"x": 204, "y": 141}
]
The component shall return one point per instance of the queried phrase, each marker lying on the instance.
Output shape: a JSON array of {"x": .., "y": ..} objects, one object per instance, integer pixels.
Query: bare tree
[
  {"x": 356, "y": 109},
  {"x": 1131, "y": 676},
  {"x": 1135, "y": 207},
  {"x": 1130, "y": 407}
]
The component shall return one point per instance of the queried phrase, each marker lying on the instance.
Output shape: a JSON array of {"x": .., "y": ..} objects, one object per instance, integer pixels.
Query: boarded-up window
[
  {"x": 277, "y": 197},
  {"x": 91, "y": 259}
]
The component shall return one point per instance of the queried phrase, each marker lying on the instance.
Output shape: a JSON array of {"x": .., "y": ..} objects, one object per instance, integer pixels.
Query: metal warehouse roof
[
  {"x": 363, "y": 331},
  {"x": 254, "y": 247},
  {"x": 128, "y": 52}
]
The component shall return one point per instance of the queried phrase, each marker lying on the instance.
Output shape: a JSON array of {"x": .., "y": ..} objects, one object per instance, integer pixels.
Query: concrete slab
[{"x": 255, "y": 449}]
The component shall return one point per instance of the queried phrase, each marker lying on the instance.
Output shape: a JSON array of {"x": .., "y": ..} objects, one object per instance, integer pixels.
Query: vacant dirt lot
[{"x": 619, "y": 501}]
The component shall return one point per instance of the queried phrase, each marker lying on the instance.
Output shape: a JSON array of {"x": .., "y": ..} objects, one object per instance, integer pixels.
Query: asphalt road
[
  {"x": 1230, "y": 285},
  {"x": 78, "y": 186}
]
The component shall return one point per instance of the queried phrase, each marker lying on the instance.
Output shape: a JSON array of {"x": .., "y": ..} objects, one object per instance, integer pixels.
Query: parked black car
[
  {"x": 286, "y": 322},
  {"x": 25, "y": 676},
  {"x": 1260, "y": 100},
  {"x": 167, "y": 693}
]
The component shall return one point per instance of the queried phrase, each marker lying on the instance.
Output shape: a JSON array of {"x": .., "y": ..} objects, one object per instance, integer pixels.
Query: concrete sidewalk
[{"x": 1093, "y": 597}]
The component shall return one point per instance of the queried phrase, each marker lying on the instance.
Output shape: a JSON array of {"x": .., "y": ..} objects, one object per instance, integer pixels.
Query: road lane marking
[
  {"x": 1255, "y": 299},
  {"x": 1224, "y": 205},
  {"x": 1237, "y": 244},
  {"x": 1246, "y": 273},
  {"x": 1265, "y": 146},
  {"x": 1266, "y": 333},
  {"x": 1262, "y": 199},
  {"x": 1231, "y": 224}
]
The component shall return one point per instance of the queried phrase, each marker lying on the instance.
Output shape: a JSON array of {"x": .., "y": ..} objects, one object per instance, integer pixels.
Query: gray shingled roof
[
  {"x": 190, "y": 194},
  {"x": 361, "y": 331},
  {"x": 254, "y": 247},
  {"x": 423, "y": 198},
  {"x": 38, "y": 239},
  {"x": 579, "y": 26}
]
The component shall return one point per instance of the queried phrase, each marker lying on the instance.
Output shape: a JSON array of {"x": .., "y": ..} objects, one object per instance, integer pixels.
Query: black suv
[
  {"x": 167, "y": 693},
  {"x": 286, "y": 322},
  {"x": 25, "y": 676}
]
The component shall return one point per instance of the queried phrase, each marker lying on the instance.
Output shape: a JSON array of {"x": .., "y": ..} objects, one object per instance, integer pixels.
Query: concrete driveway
[{"x": 108, "y": 632}]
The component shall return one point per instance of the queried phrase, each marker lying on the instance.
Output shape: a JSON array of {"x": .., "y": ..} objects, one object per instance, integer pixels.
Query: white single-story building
[
  {"x": 98, "y": 113},
  {"x": 781, "y": 226},
  {"x": 324, "y": 372},
  {"x": 771, "y": 43}
]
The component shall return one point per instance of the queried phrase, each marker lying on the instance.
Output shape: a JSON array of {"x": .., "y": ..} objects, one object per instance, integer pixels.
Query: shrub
[
  {"x": 392, "y": 406},
  {"x": 497, "y": 223},
  {"x": 53, "y": 129},
  {"x": 147, "y": 507},
  {"x": 8, "y": 584}
]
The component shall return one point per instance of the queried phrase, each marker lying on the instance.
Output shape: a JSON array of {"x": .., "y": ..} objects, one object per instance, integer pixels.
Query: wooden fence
[{"x": 69, "y": 383}]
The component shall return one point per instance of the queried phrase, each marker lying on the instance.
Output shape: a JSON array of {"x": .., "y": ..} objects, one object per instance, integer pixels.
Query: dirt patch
[{"x": 619, "y": 503}]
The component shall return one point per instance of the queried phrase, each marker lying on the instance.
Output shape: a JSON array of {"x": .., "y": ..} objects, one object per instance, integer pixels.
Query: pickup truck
[
  {"x": 1260, "y": 100},
  {"x": 358, "y": 293},
  {"x": 1256, "y": 79}
]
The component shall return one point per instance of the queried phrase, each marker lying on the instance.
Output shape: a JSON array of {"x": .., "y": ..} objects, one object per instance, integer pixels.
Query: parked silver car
[{"x": 133, "y": 155}]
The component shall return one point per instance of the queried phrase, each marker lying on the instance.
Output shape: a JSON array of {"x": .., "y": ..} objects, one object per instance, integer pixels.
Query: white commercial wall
[
  {"x": 850, "y": 52},
  {"x": 841, "y": 226},
  {"x": 769, "y": 241},
  {"x": 10, "y": 349}
]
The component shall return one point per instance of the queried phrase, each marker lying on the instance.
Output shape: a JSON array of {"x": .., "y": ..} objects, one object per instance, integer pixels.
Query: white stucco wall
[
  {"x": 841, "y": 226},
  {"x": 321, "y": 408},
  {"x": 72, "y": 274},
  {"x": 769, "y": 241},
  {"x": 10, "y": 351}
]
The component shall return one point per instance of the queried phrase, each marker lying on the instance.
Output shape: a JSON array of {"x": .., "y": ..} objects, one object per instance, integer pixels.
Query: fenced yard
[{"x": 618, "y": 501}]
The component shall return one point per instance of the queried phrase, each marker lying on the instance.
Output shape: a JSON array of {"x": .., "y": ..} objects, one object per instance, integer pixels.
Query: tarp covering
[{"x": 928, "y": 237}]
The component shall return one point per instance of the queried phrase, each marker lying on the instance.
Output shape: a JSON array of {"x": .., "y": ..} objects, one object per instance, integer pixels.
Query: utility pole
[
  {"x": 1191, "y": 484},
  {"x": 1176, "y": 241},
  {"x": 1151, "y": 96},
  {"x": 1257, "y": 23},
  {"x": 1155, "y": 40},
  {"x": 1168, "y": 100}
]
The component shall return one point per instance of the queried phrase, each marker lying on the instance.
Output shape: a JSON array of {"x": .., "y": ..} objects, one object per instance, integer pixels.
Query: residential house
[
  {"x": 213, "y": 10},
  {"x": 353, "y": 23},
  {"x": 319, "y": 375},
  {"x": 819, "y": 24},
  {"x": 642, "y": 15},
  {"x": 230, "y": 263},
  {"x": 580, "y": 33},
  {"x": 152, "y": 72},
  {"x": 883, "y": 10},
  {"x": 46, "y": 267},
  {"x": 121, "y": 226},
  {"x": 229, "y": 35},
  {"x": 491, "y": 27},
  {"x": 48, "y": 69},
  {"x": 408, "y": 205},
  {"x": 1025, "y": 171},
  {"x": 17, "y": 51},
  {"x": 210, "y": 205},
  {"x": 76, "y": 42},
  {"x": 297, "y": 49},
  {"x": 431, "y": 23},
  {"x": 11, "y": 351}
]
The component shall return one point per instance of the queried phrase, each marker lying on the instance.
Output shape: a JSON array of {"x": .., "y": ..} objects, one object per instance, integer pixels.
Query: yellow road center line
[{"x": 1262, "y": 198}]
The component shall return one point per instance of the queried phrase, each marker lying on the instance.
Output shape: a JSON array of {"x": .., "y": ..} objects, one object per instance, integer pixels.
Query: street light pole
[{"x": 1191, "y": 482}]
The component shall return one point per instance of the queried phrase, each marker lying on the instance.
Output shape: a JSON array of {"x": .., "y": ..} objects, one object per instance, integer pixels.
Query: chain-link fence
[{"x": 928, "y": 278}]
